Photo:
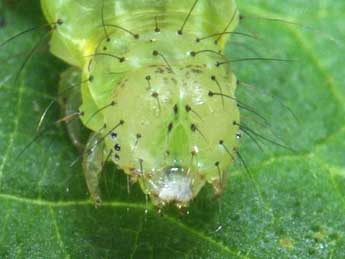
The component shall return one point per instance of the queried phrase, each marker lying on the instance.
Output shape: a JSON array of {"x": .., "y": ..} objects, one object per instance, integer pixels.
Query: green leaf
[{"x": 290, "y": 205}]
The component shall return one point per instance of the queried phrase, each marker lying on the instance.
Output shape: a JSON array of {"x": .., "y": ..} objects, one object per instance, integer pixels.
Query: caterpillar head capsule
[{"x": 172, "y": 184}]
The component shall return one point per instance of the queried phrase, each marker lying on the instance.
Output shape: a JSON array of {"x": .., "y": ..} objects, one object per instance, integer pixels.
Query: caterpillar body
[{"x": 160, "y": 102}]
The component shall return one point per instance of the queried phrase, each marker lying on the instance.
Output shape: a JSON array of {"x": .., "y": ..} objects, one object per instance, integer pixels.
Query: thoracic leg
[
  {"x": 70, "y": 101},
  {"x": 93, "y": 161}
]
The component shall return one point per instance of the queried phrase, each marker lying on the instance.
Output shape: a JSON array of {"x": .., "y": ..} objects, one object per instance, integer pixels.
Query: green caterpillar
[{"x": 156, "y": 90}]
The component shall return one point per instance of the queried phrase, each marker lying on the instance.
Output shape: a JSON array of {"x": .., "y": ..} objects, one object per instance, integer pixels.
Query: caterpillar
[{"x": 151, "y": 81}]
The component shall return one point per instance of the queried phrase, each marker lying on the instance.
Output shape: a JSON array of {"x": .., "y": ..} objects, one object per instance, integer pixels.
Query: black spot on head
[
  {"x": 155, "y": 94},
  {"x": 217, "y": 163},
  {"x": 117, "y": 157},
  {"x": 148, "y": 78},
  {"x": 188, "y": 108},
  {"x": 170, "y": 126},
  {"x": 59, "y": 21},
  {"x": 138, "y": 135},
  {"x": 221, "y": 142},
  {"x": 117, "y": 147},
  {"x": 113, "y": 135},
  {"x": 175, "y": 109},
  {"x": 193, "y": 127},
  {"x": 155, "y": 53}
]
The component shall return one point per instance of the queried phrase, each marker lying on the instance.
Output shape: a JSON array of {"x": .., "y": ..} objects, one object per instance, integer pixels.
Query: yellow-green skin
[{"x": 170, "y": 133}]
